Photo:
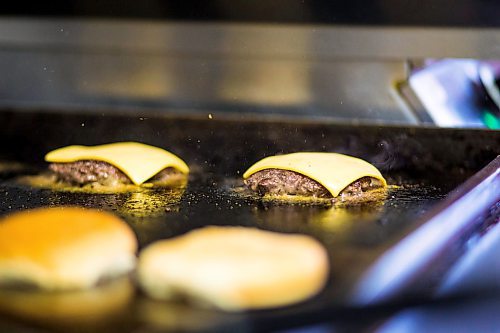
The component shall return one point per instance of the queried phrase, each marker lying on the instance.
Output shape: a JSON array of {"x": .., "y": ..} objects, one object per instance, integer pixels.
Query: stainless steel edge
[
  {"x": 251, "y": 40},
  {"x": 392, "y": 275}
]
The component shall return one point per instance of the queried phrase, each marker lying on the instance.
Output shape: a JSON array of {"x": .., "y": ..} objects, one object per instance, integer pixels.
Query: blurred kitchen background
[{"x": 383, "y": 62}]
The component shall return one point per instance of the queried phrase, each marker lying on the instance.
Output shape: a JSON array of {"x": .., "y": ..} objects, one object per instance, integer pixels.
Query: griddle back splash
[{"x": 228, "y": 146}]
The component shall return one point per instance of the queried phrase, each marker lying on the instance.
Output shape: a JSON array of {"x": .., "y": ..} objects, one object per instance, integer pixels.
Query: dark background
[{"x": 464, "y": 13}]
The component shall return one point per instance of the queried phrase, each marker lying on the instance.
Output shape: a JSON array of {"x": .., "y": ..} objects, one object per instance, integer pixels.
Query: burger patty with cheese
[
  {"x": 320, "y": 175},
  {"x": 115, "y": 164},
  {"x": 91, "y": 171}
]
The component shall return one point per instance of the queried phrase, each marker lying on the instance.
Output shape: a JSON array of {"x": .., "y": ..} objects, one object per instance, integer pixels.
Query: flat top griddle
[{"x": 425, "y": 164}]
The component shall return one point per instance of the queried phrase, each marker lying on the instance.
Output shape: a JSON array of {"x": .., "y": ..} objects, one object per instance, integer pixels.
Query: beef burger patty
[
  {"x": 91, "y": 171},
  {"x": 285, "y": 182}
]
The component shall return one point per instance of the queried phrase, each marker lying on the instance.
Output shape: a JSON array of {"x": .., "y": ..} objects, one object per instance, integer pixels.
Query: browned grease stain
[
  {"x": 151, "y": 203},
  {"x": 339, "y": 219},
  {"x": 6, "y": 166},
  {"x": 132, "y": 201}
]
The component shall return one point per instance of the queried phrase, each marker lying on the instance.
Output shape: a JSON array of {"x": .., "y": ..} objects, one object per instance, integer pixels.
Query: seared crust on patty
[
  {"x": 91, "y": 171},
  {"x": 85, "y": 172},
  {"x": 279, "y": 182},
  {"x": 285, "y": 182}
]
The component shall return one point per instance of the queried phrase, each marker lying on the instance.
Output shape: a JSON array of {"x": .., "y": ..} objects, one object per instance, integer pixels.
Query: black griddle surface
[
  {"x": 354, "y": 236},
  {"x": 218, "y": 152}
]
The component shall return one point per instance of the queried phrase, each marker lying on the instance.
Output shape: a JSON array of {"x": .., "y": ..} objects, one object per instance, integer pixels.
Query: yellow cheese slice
[
  {"x": 334, "y": 171},
  {"x": 137, "y": 160}
]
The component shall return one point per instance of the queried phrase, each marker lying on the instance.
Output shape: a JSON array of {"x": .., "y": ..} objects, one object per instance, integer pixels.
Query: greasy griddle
[{"x": 422, "y": 164}]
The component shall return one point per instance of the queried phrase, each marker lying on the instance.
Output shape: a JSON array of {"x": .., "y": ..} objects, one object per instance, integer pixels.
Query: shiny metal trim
[{"x": 250, "y": 39}]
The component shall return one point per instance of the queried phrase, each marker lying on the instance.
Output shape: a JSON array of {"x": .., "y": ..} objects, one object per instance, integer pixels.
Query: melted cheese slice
[
  {"x": 334, "y": 171},
  {"x": 137, "y": 160}
]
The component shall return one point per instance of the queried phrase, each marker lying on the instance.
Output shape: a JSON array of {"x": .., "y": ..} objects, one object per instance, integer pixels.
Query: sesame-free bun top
[
  {"x": 64, "y": 248},
  {"x": 234, "y": 268}
]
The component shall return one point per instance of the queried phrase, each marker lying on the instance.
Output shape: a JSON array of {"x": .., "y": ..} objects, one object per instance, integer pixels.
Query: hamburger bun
[
  {"x": 64, "y": 248},
  {"x": 234, "y": 268}
]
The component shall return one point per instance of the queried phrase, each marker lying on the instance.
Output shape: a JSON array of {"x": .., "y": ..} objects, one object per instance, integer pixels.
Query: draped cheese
[
  {"x": 138, "y": 161},
  {"x": 334, "y": 171}
]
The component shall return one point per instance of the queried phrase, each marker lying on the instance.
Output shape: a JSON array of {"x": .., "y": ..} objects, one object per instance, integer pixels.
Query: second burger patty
[
  {"x": 91, "y": 171},
  {"x": 280, "y": 182}
]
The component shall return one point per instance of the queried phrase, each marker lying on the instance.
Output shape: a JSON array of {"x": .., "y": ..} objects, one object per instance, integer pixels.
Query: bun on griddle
[
  {"x": 64, "y": 248},
  {"x": 234, "y": 268}
]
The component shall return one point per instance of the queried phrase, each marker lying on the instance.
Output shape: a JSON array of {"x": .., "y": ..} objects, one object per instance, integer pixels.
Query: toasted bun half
[
  {"x": 234, "y": 268},
  {"x": 64, "y": 248}
]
